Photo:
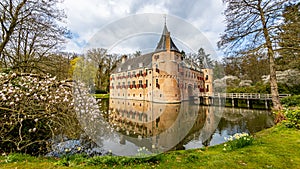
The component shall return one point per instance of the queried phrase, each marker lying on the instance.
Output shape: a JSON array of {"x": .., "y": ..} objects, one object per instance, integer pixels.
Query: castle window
[
  {"x": 206, "y": 77},
  {"x": 140, "y": 95},
  {"x": 207, "y": 88},
  {"x": 140, "y": 84},
  {"x": 157, "y": 85},
  {"x": 133, "y": 84}
]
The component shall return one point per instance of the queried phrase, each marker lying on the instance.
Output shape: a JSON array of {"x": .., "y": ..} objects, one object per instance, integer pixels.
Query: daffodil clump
[
  {"x": 143, "y": 152},
  {"x": 238, "y": 140}
]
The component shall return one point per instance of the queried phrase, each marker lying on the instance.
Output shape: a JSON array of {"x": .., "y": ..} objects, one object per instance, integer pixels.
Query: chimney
[
  {"x": 124, "y": 58},
  {"x": 168, "y": 43}
]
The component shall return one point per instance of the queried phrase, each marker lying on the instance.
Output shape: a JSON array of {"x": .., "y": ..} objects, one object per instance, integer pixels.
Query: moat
[{"x": 162, "y": 127}]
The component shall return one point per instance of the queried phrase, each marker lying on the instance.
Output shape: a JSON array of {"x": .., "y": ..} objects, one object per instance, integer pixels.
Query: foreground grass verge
[
  {"x": 277, "y": 147},
  {"x": 101, "y": 96}
]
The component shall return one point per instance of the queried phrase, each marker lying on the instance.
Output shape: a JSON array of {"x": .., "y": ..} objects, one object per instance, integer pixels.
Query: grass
[
  {"x": 101, "y": 96},
  {"x": 277, "y": 147}
]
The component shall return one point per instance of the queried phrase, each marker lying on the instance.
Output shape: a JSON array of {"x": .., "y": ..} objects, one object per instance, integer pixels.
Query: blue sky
[{"x": 137, "y": 24}]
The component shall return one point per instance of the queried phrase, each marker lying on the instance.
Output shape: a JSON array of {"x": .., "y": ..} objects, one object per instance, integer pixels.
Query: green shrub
[
  {"x": 291, "y": 101},
  {"x": 292, "y": 118}
]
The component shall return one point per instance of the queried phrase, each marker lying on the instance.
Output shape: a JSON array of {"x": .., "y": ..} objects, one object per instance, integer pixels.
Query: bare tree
[
  {"x": 253, "y": 25},
  {"x": 98, "y": 57},
  {"x": 29, "y": 33}
]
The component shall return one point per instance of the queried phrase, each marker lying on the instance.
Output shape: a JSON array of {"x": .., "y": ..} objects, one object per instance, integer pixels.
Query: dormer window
[
  {"x": 140, "y": 64},
  {"x": 129, "y": 67},
  {"x": 119, "y": 70}
]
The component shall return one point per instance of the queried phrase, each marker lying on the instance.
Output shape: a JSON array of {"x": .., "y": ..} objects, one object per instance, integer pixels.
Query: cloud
[{"x": 86, "y": 18}]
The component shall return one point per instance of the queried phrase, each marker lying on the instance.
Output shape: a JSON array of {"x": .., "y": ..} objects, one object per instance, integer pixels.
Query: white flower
[
  {"x": 36, "y": 120},
  {"x": 34, "y": 129}
]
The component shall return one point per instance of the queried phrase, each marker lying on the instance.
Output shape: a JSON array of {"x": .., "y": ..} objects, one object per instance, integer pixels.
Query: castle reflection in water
[{"x": 162, "y": 127}]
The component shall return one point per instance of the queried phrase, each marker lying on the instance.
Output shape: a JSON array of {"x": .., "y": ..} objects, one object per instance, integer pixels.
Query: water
[{"x": 162, "y": 127}]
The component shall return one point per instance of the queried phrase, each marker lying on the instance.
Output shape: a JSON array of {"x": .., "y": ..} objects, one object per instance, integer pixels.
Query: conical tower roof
[{"x": 162, "y": 44}]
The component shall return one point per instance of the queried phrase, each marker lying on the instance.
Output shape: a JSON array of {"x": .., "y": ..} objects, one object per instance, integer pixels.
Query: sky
[{"x": 136, "y": 25}]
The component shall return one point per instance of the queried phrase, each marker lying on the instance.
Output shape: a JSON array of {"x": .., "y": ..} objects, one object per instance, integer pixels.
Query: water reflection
[{"x": 162, "y": 127}]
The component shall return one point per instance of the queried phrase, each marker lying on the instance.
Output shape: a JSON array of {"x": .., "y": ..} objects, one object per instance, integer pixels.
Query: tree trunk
[{"x": 273, "y": 80}]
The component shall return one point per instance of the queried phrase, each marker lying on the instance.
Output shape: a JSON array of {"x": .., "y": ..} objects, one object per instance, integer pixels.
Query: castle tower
[{"x": 166, "y": 43}]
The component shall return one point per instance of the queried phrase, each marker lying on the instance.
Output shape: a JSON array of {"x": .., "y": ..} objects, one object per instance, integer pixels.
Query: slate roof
[
  {"x": 134, "y": 63},
  {"x": 161, "y": 46},
  {"x": 146, "y": 59}
]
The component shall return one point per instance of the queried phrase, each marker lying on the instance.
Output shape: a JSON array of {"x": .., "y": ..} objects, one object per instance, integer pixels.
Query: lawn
[
  {"x": 101, "y": 96},
  {"x": 277, "y": 147}
]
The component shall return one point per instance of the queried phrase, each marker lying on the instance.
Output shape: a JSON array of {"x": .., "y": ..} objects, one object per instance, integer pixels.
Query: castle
[{"x": 160, "y": 76}]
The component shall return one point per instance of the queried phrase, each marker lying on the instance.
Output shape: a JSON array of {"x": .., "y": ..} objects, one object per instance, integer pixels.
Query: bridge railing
[{"x": 242, "y": 95}]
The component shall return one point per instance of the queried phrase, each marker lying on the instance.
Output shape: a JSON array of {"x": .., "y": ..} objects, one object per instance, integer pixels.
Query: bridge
[{"x": 235, "y": 98}]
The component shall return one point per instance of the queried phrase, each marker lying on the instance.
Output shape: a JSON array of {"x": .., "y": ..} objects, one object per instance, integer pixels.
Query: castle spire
[{"x": 166, "y": 43}]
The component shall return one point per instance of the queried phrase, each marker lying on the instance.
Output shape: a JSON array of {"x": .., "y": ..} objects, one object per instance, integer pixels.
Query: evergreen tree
[{"x": 290, "y": 38}]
